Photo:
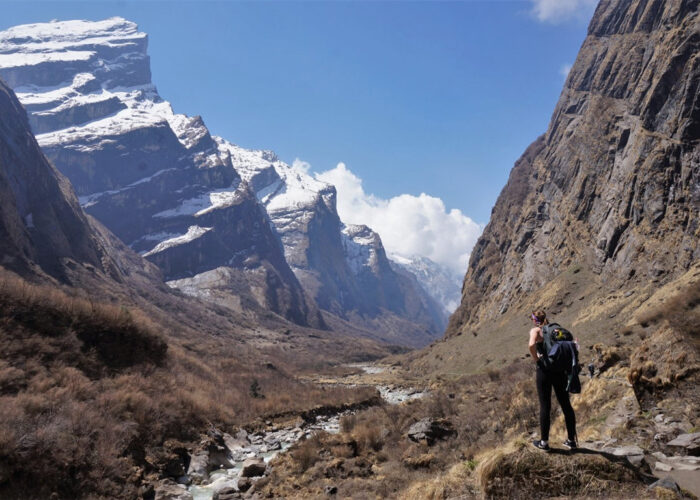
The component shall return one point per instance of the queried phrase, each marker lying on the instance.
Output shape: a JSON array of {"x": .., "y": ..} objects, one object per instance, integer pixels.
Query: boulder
[
  {"x": 634, "y": 454},
  {"x": 331, "y": 490},
  {"x": 239, "y": 440},
  {"x": 667, "y": 484},
  {"x": 169, "y": 490},
  {"x": 663, "y": 467},
  {"x": 429, "y": 430},
  {"x": 198, "y": 471},
  {"x": 244, "y": 483},
  {"x": 253, "y": 467},
  {"x": 689, "y": 442},
  {"x": 228, "y": 493}
]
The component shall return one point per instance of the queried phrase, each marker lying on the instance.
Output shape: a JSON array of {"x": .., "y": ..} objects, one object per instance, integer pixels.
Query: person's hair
[{"x": 541, "y": 316}]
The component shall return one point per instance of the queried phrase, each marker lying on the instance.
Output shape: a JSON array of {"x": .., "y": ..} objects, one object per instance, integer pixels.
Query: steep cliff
[
  {"x": 222, "y": 222},
  {"x": 42, "y": 228},
  {"x": 343, "y": 267},
  {"x": 612, "y": 189},
  {"x": 154, "y": 178}
]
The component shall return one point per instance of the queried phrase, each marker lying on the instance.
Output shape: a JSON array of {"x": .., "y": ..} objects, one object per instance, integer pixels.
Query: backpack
[{"x": 557, "y": 356}]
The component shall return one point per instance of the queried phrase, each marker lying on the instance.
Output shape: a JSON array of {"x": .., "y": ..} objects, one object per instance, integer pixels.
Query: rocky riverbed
[{"x": 226, "y": 466}]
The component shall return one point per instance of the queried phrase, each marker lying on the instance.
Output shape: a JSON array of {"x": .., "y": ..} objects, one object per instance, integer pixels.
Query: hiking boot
[
  {"x": 541, "y": 445},
  {"x": 571, "y": 444}
]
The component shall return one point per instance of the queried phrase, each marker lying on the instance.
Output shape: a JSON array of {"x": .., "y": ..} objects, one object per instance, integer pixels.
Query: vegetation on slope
[{"x": 90, "y": 393}]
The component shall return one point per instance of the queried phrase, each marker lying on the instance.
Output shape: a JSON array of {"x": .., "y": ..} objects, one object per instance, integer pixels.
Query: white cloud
[
  {"x": 564, "y": 70},
  {"x": 558, "y": 11},
  {"x": 302, "y": 165},
  {"x": 408, "y": 225}
]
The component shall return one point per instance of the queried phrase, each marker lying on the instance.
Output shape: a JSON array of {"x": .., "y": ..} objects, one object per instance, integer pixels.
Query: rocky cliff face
[
  {"x": 613, "y": 186},
  {"x": 343, "y": 267},
  {"x": 156, "y": 179},
  {"x": 222, "y": 222},
  {"x": 440, "y": 283},
  {"x": 42, "y": 229}
]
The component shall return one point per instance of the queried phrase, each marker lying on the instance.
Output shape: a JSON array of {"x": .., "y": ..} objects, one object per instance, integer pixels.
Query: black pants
[{"x": 545, "y": 382}]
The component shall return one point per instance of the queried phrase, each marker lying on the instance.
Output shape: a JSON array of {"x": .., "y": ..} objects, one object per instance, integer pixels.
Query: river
[{"x": 266, "y": 445}]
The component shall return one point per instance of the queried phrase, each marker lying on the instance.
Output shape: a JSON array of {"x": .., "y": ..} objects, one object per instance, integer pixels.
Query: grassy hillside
[{"x": 90, "y": 393}]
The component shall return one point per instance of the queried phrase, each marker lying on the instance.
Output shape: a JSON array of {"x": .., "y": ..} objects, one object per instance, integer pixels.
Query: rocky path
[
  {"x": 240, "y": 460},
  {"x": 679, "y": 463}
]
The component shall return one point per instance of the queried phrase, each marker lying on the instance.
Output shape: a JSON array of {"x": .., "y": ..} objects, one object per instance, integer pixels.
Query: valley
[{"x": 185, "y": 318}]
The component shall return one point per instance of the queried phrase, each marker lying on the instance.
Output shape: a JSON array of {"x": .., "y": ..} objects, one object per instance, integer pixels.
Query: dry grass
[
  {"x": 517, "y": 471},
  {"x": 90, "y": 392},
  {"x": 668, "y": 360}
]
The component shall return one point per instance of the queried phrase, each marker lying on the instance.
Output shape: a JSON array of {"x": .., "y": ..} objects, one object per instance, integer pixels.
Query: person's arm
[{"x": 534, "y": 334}]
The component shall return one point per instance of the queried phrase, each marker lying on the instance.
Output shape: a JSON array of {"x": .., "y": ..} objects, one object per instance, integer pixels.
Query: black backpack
[{"x": 556, "y": 356}]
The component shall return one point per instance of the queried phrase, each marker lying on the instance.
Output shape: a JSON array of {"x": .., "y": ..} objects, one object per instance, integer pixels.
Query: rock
[
  {"x": 625, "y": 451},
  {"x": 198, "y": 471},
  {"x": 689, "y": 442},
  {"x": 240, "y": 440},
  {"x": 668, "y": 484},
  {"x": 429, "y": 430},
  {"x": 634, "y": 454},
  {"x": 228, "y": 493},
  {"x": 330, "y": 490},
  {"x": 274, "y": 445},
  {"x": 253, "y": 467},
  {"x": 663, "y": 467},
  {"x": 244, "y": 483},
  {"x": 169, "y": 490}
]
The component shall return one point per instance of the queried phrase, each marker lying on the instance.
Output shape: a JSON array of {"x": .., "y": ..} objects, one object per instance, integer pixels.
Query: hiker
[{"x": 546, "y": 379}]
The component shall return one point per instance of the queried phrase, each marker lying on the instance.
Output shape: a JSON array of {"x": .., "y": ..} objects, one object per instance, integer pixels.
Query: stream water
[{"x": 268, "y": 444}]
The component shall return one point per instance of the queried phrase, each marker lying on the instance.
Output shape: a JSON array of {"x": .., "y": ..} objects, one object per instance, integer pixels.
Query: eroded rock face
[
  {"x": 154, "y": 178},
  {"x": 343, "y": 267},
  {"x": 614, "y": 183},
  {"x": 222, "y": 222},
  {"x": 41, "y": 223}
]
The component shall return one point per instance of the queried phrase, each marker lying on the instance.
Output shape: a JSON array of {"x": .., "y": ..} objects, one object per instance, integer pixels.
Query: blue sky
[
  {"x": 414, "y": 110},
  {"x": 434, "y": 97}
]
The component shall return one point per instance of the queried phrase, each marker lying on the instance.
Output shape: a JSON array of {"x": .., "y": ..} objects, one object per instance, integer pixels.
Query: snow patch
[
  {"x": 23, "y": 59},
  {"x": 203, "y": 204},
  {"x": 193, "y": 232}
]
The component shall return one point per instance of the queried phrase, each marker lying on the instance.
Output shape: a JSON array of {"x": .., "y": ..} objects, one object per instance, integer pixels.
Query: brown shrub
[
  {"x": 306, "y": 453},
  {"x": 347, "y": 423},
  {"x": 369, "y": 435},
  {"x": 90, "y": 392}
]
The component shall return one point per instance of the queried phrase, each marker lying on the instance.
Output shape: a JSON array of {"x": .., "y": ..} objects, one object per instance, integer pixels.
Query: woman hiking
[{"x": 546, "y": 380}]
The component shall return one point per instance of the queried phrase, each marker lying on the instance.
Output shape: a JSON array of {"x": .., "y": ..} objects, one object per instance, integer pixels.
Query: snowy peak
[
  {"x": 113, "y": 50},
  {"x": 64, "y": 35},
  {"x": 438, "y": 281},
  {"x": 279, "y": 186},
  {"x": 215, "y": 217},
  {"x": 361, "y": 245}
]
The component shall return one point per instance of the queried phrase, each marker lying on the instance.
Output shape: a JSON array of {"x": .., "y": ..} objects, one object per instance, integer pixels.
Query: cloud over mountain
[{"x": 407, "y": 224}]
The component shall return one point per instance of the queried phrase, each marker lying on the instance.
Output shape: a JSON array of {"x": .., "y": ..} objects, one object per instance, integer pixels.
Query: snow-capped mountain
[
  {"x": 343, "y": 267},
  {"x": 156, "y": 179},
  {"x": 443, "y": 285},
  {"x": 234, "y": 225}
]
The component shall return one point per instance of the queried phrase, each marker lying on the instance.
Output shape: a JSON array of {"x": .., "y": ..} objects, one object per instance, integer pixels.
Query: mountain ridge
[
  {"x": 612, "y": 197},
  {"x": 216, "y": 218}
]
